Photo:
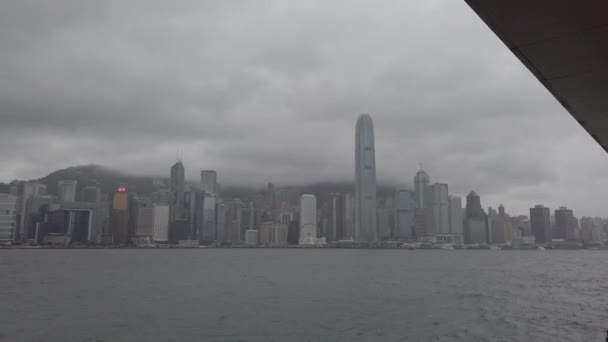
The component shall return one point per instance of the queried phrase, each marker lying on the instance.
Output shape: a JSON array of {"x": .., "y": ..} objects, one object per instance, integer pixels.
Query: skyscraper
[
  {"x": 456, "y": 219},
  {"x": 366, "y": 220},
  {"x": 565, "y": 225},
  {"x": 271, "y": 196},
  {"x": 404, "y": 215},
  {"x": 421, "y": 183},
  {"x": 8, "y": 217},
  {"x": 438, "y": 204},
  {"x": 120, "y": 216},
  {"x": 308, "y": 219},
  {"x": 177, "y": 209},
  {"x": 540, "y": 222},
  {"x": 476, "y": 225}
]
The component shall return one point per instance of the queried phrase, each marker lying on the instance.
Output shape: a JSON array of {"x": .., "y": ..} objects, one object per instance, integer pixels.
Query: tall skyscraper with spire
[
  {"x": 366, "y": 218},
  {"x": 177, "y": 210}
]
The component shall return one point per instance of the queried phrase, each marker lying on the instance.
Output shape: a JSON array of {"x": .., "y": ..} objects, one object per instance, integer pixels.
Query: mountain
[{"x": 108, "y": 180}]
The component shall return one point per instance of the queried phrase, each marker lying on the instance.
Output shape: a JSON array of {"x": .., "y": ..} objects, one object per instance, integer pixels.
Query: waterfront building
[
  {"x": 207, "y": 218},
  {"x": 308, "y": 219},
  {"x": 405, "y": 206},
  {"x": 251, "y": 237},
  {"x": 120, "y": 216},
  {"x": 438, "y": 203},
  {"x": 8, "y": 217},
  {"x": 566, "y": 226},
  {"x": 540, "y": 222},
  {"x": 455, "y": 215},
  {"x": 366, "y": 224},
  {"x": 272, "y": 233},
  {"x": 28, "y": 190},
  {"x": 161, "y": 223},
  {"x": 177, "y": 209}
]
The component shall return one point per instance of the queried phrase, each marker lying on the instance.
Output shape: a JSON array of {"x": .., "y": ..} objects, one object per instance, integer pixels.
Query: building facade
[
  {"x": 366, "y": 221},
  {"x": 540, "y": 223},
  {"x": 308, "y": 219}
]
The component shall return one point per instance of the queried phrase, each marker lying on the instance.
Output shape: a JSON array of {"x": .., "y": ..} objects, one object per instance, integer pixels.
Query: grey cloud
[{"x": 270, "y": 91}]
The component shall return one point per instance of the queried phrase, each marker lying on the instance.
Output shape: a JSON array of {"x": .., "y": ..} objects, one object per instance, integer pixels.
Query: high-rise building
[
  {"x": 120, "y": 216},
  {"x": 177, "y": 209},
  {"x": 67, "y": 190},
  {"x": 207, "y": 218},
  {"x": 385, "y": 218},
  {"x": 405, "y": 206},
  {"x": 272, "y": 233},
  {"x": 33, "y": 214},
  {"x": 209, "y": 181},
  {"x": 145, "y": 222},
  {"x": 29, "y": 189},
  {"x": 421, "y": 183},
  {"x": 566, "y": 226},
  {"x": 251, "y": 237},
  {"x": 540, "y": 222},
  {"x": 335, "y": 217},
  {"x": 308, "y": 219},
  {"x": 161, "y": 223},
  {"x": 502, "y": 227},
  {"x": 476, "y": 221},
  {"x": 271, "y": 196},
  {"x": 8, "y": 217},
  {"x": 220, "y": 221},
  {"x": 438, "y": 203},
  {"x": 366, "y": 220},
  {"x": 473, "y": 206},
  {"x": 456, "y": 219}
]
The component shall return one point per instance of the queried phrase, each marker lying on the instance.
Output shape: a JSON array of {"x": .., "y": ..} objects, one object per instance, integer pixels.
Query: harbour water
[{"x": 303, "y": 295}]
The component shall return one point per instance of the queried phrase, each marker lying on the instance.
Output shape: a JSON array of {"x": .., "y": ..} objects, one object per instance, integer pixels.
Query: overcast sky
[{"x": 270, "y": 91}]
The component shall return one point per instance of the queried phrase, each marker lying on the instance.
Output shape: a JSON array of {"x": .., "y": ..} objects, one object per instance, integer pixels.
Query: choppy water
[{"x": 303, "y": 295}]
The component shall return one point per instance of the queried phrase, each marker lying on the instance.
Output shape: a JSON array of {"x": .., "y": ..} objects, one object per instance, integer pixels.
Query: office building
[
  {"x": 366, "y": 220},
  {"x": 209, "y": 181},
  {"x": 473, "y": 206},
  {"x": 161, "y": 223},
  {"x": 177, "y": 208},
  {"x": 8, "y": 217},
  {"x": 308, "y": 219},
  {"x": 476, "y": 229},
  {"x": 67, "y": 190},
  {"x": 438, "y": 203},
  {"x": 405, "y": 206},
  {"x": 566, "y": 226},
  {"x": 422, "y": 220},
  {"x": 34, "y": 214},
  {"x": 385, "y": 212},
  {"x": 207, "y": 218},
  {"x": 29, "y": 189},
  {"x": 90, "y": 194},
  {"x": 220, "y": 222},
  {"x": 456, "y": 219},
  {"x": 502, "y": 227},
  {"x": 272, "y": 233},
  {"x": 336, "y": 217},
  {"x": 540, "y": 222},
  {"x": 421, "y": 183},
  {"x": 271, "y": 196},
  {"x": 120, "y": 216},
  {"x": 145, "y": 222}
]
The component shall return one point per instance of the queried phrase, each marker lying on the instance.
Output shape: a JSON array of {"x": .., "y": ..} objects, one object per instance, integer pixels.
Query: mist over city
[{"x": 270, "y": 93}]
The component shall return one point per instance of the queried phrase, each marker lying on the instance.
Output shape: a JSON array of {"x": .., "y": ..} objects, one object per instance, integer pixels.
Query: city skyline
[{"x": 275, "y": 110}]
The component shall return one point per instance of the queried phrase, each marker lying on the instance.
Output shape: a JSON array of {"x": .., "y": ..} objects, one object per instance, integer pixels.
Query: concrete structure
[
  {"x": 90, "y": 194},
  {"x": 161, "y": 223},
  {"x": 366, "y": 225},
  {"x": 438, "y": 203},
  {"x": 308, "y": 219},
  {"x": 120, "y": 216},
  {"x": 405, "y": 206},
  {"x": 209, "y": 181},
  {"x": 177, "y": 208},
  {"x": 540, "y": 222},
  {"x": 455, "y": 215},
  {"x": 8, "y": 217},
  {"x": 386, "y": 218},
  {"x": 220, "y": 222},
  {"x": 563, "y": 44},
  {"x": 66, "y": 192},
  {"x": 251, "y": 237},
  {"x": 502, "y": 227},
  {"x": 336, "y": 218},
  {"x": 566, "y": 226},
  {"x": 422, "y": 217},
  {"x": 473, "y": 206}
]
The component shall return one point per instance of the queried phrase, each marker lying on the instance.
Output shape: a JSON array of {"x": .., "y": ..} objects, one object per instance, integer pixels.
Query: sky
[{"x": 270, "y": 90}]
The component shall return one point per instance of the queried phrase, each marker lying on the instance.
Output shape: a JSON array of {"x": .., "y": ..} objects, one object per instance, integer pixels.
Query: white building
[
  {"x": 161, "y": 223},
  {"x": 308, "y": 219}
]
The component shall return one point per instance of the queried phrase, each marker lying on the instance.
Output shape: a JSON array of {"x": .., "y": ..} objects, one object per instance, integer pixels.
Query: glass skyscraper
[{"x": 366, "y": 218}]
